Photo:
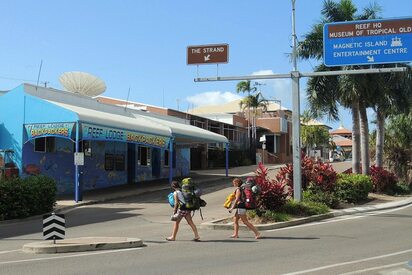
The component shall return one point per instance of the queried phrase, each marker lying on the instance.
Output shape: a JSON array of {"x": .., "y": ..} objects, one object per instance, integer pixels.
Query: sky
[{"x": 141, "y": 46}]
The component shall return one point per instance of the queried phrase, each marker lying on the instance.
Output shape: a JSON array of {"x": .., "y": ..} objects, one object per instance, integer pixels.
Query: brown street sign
[{"x": 207, "y": 54}]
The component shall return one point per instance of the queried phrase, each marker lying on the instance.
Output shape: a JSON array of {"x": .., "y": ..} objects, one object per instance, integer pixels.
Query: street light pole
[{"x": 297, "y": 180}]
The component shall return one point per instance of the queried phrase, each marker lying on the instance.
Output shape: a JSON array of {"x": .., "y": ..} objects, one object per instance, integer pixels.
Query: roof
[
  {"x": 184, "y": 133},
  {"x": 92, "y": 111},
  {"x": 181, "y": 129},
  {"x": 342, "y": 141},
  {"x": 341, "y": 131},
  {"x": 230, "y": 107},
  {"x": 314, "y": 122},
  {"x": 135, "y": 123}
]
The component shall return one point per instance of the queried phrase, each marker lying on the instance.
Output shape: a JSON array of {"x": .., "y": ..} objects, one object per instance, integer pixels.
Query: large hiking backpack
[
  {"x": 191, "y": 194},
  {"x": 249, "y": 192}
]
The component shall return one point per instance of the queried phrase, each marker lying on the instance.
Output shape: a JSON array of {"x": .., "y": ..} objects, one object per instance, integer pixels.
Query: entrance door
[
  {"x": 131, "y": 163},
  {"x": 156, "y": 162}
]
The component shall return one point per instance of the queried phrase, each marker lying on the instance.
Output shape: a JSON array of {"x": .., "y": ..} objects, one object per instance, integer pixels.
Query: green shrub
[
  {"x": 268, "y": 216},
  {"x": 21, "y": 198},
  {"x": 315, "y": 194},
  {"x": 353, "y": 187},
  {"x": 402, "y": 188},
  {"x": 305, "y": 208}
]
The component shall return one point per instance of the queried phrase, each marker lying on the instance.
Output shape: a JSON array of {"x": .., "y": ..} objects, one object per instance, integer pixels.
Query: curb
[
  {"x": 81, "y": 245},
  {"x": 216, "y": 225}
]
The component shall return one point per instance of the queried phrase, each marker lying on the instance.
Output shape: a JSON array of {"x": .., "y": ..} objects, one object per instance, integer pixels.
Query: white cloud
[{"x": 212, "y": 98}]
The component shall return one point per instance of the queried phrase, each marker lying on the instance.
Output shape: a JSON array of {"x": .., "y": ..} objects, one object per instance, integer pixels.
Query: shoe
[
  {"x": 196, "y": 240},
  {"x": 169, "y": 239},
  {"x": 234, "y": 237},
  {"x": 258, "y": 237}
]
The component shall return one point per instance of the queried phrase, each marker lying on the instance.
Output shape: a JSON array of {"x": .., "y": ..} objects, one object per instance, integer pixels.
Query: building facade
[{"x": 85, "y": 144}]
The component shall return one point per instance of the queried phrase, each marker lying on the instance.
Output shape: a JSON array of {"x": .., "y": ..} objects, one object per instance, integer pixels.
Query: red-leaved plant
[
  {"x": 274, "y": 194},
  {"x": 317, "y": 173},
  {"x": 382, "y": 179}
]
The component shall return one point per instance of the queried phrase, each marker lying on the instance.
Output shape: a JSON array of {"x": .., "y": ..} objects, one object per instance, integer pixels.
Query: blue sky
[{"x": 141, "y": 45}]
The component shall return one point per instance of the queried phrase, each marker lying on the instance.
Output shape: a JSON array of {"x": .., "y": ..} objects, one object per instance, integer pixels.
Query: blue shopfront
[{"x": 86, "y": 145}]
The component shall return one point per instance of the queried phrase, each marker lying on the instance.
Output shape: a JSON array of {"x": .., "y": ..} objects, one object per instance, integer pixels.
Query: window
[
  {"x": 166, "y": 162},
  {"x": 119, "y": 162},
  {"x": 44, "y": 144},
  {"x": 108, "y": 162},
  {"x": 144, "y": 156}
]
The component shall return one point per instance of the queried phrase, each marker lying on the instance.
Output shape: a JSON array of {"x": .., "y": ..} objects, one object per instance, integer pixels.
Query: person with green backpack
[{"x": 181, "y": 211}]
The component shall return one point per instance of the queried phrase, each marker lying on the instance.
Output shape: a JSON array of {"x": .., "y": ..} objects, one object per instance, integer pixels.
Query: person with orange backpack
[{"x": 241, "y": 203}]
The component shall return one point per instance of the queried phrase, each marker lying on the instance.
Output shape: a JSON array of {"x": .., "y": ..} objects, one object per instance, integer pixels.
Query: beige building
[{"x": 274, "y": 124}]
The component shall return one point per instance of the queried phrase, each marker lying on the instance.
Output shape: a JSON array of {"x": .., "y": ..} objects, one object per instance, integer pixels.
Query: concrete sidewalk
[{"x": 201, "y": 177}]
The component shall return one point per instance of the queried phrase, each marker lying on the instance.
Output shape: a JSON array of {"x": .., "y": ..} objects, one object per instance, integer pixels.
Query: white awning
[
  {"x": 133, "y": 123},
  {"x": 185, "y": 133}
]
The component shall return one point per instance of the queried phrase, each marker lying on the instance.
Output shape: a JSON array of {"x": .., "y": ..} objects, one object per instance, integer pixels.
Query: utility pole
[{"x": 297, "y": 173}]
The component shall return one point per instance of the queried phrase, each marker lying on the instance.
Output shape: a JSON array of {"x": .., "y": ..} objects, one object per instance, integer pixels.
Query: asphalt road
[{"x": 375, "y": 243}]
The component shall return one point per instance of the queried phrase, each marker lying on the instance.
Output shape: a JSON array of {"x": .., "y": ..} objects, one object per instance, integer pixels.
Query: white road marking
[
  {"x": 71, "y": 256},
  {"x": 9, "y": 251},
  {"x": 374, "y": 268},
  {"x": 339, "y": 219},
  {"x": 351, "y": 262}
]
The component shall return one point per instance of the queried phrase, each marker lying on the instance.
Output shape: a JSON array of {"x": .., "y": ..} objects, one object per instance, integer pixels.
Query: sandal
[
  {"x": 196, "y": 240},
  {"x": 234, "y": 237},
  {"x": 170, "y": 239}
]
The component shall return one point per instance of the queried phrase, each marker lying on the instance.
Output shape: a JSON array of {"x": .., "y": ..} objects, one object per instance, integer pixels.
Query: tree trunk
[
  {"x": 380, "y": 137},
  {"x": 364, "y": 130},
  {"x": 355, "y": 138}
]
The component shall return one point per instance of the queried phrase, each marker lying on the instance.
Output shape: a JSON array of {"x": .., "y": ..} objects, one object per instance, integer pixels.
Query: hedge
[{"x": 26, "y": 197}]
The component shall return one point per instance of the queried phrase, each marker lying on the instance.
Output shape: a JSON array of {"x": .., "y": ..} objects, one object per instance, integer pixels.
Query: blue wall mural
[{"x": 57, "y": 164}]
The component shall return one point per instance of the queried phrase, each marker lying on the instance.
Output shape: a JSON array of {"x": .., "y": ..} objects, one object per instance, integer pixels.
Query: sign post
[
  {"x": 54, "y": 227},
  {"x": 368, "y": 42}
]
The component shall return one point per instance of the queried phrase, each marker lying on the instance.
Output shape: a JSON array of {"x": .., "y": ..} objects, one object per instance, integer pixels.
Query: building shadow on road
[{"x": 78, "y": 217}]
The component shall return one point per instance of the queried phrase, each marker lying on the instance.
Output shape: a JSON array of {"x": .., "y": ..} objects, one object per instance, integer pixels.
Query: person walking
[
  {"x": 179, "y": 213},
  {"x": 240, "y": 213}
]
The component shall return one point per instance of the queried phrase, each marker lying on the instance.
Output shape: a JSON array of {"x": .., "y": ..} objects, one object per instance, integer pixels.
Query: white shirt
[{"x": 180, "y": 196}]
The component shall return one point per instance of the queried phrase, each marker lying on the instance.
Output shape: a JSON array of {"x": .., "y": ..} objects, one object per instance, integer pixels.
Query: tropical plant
[
  {"x": 253, "y": 102},
  {"x": 383, "y": 180},
  {"x": 392, "y": 96},
  {"x": 312, "y": 135},
  {"x": 273, "y": 194},
  {"x": 353, "y": 188},
  {"x": 315, "y": 173},
  {"x": 398, "y": 146},
  {"x": 326, "y": 93}
]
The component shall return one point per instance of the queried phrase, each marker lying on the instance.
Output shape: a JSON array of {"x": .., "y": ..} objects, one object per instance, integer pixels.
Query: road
[{"x": 369, "y": 243}]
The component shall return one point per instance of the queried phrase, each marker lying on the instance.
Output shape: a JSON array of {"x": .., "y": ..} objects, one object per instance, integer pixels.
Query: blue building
[{"x": 84, "y": 144}]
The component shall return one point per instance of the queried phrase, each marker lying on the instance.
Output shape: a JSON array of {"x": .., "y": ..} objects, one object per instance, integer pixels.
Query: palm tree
[
  {"x": 325, "y": 94},
  {"x": 246, "y": 87},
  {"x": 255, "y": 102},
  {"x": 392, "y": 96}
]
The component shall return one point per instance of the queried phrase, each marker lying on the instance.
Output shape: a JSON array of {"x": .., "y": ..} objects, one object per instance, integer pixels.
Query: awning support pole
[
  {"x": 76, "y": 167},
  {"x": 171, "y": 160},
  {"x": 227, "y": 159}
]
